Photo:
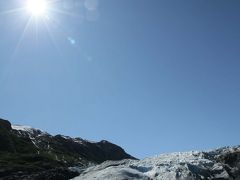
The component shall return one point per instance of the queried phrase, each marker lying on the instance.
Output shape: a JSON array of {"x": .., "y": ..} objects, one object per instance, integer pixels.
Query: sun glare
[{"x": 37, "y": 7}]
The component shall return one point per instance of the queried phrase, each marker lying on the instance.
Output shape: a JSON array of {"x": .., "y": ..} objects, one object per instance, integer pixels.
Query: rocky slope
[
  {"x": 31, "y": 154},
  {"x": 28, "y": 153},
  {"x": 217, "y": 164}
]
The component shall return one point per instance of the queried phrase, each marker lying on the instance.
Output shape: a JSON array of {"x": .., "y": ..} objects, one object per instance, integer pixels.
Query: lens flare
[{"x": 37, "y": 7}]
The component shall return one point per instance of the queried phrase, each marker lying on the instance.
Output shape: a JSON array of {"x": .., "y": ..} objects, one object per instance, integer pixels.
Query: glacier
[{"x": 218, "y": 164}]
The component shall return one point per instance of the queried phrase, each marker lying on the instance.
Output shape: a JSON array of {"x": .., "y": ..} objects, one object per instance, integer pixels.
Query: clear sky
[{"x": 152, "y": 76}]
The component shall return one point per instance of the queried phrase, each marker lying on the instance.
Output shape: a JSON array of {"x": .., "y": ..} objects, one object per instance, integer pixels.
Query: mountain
[
  {"x": 32, "y": 154},
  {"x": 219, "y": 164},
  {"x": 28, "y": 153}
]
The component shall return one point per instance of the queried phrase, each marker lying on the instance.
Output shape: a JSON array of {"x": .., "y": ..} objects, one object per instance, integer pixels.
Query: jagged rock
[
  {"x": 28, "y": 153},
  {"x": 5, "y": 124}
]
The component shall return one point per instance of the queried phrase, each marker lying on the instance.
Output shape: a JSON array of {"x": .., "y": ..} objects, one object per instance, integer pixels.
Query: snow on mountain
[
  {"x": 219, "y": 164},
  {"x": 28, "y": 129},
  {"x": 22, "y": 128},
  {"x": 29, "y": 153}
]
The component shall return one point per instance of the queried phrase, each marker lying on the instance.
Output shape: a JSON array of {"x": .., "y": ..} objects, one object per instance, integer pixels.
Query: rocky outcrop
[
  {"x": 28, "y": 153},
  {"x": 5, "y": 124},
  {"x": 231, "y": 162}
]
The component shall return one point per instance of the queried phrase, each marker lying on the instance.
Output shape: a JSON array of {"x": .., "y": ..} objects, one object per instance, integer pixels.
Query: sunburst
[
  {"x": 37, "y": 8},
  {"x": 45, "y": 13}
]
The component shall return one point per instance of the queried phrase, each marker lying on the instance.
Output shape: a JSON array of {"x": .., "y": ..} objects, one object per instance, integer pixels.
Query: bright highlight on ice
[{"x": 37, "y": 7}]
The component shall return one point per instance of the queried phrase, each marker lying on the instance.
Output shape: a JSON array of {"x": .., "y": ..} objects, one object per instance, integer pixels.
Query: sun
[{"x": 37, "y": 7}]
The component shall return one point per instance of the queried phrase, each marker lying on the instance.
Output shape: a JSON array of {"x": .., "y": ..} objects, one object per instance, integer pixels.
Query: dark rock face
[
  {"x": 6, "y": 143},
  {"x": 52, "y": 174},
  {"x": 9, "y": 142},
  {"x": 112, "y": 151},
  {"x": 5, "y": 124},
  {"x": 28, "y": 153},
  {"x": 231, "y": 160}
]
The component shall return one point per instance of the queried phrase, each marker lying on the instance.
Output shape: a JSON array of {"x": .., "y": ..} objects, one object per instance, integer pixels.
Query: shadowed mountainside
[{"x": 28, "y": 153}]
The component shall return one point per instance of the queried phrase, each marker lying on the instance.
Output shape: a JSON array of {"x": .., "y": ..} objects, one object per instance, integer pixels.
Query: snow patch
[
  {"x": 22, "y": 128},
  {"x": 29, "y": 129}
]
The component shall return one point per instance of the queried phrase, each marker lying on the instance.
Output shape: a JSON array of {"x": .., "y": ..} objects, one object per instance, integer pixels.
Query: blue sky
[{"x": 152, "y": 76}]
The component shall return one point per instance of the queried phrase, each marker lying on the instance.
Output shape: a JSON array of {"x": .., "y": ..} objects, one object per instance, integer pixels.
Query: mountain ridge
[{"x": 32, "y": 152}]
